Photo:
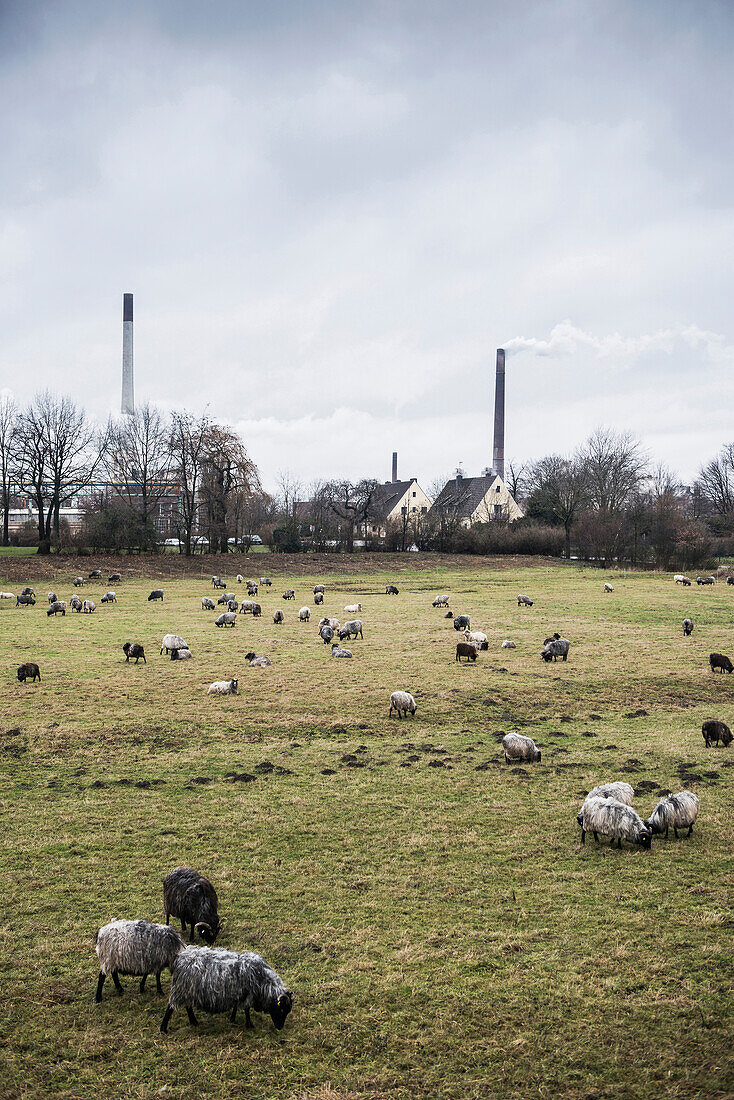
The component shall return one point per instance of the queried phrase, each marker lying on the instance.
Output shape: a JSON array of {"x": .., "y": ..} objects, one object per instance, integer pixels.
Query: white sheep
[
  {"x": 353, "y": 608},
  {"x": 181, "y": 655},
  {"x": 172, "y": 641},
  {"x": 240, "y": 578},
  {"x": 401, "y": 702},
  {"x": 608, "y": 587},
  {"x": 623, "y": 792},
  {"x": 477, "y": 638},
  {"x": 441, "y": 601},
  {"x": 89, "y": 606},
  {"x": 7, "y": 595},
  {"x": 519, "y": 748},
  {"x": 333, "y": 623},
  {"x": 223, "y": 687},
  {"x": 678, "y": 811},
  {"x": 507, "y": 644},
  {"x": 304, "y": 614},
  {"x": 136, "y": 947},
  {"x": 207, "y": 604}
]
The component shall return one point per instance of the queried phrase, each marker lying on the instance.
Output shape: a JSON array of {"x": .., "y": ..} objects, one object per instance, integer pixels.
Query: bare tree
[
  {"x": 229, "y": 475},
  {"x": 351, "y": 503},
  {"x": 614, "y": 466},
  {"x": 9, "y": 457},
  {"x": 188, "y": 442},
  {"x": 516, "y": 479},
  {"x": 715, "y": 483},
  {"x": 287, "y": 534},
  {"x": 139, "y": 466},
  {"x": 560, "y": 491}
]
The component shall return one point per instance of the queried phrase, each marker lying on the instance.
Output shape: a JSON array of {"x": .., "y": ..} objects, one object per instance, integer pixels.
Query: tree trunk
[{"x": 568, "y": 543}]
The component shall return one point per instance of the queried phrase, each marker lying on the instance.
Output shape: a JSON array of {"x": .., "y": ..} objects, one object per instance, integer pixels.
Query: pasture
[{"x": 444, "y": 931}]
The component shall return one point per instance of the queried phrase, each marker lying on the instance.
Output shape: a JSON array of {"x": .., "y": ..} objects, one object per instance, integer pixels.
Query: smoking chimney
[
  {"x": 394, "y": 467},
  {"x": 128, "y": 400},
  {"x": 498, "y": 456}
]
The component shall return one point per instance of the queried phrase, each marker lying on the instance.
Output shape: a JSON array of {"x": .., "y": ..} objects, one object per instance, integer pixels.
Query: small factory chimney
[
  {"x": 498, "y": 456},
  {"x": 394, "y": 467},
  {"x": 128, "y": 399}
]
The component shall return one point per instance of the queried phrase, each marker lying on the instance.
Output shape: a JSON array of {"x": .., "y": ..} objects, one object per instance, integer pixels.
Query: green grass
[{"x": 445, "y": 933}]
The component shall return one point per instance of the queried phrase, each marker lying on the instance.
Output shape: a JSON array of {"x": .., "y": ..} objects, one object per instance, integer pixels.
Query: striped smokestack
[
  {"x": 498, "y": 455},
  {"x": 394, "y": 466},
  {"x": 128, "y": 399}
]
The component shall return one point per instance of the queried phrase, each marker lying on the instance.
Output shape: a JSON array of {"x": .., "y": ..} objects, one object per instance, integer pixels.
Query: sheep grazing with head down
[
  {"x": 681, "y": 578},
  {"x": 207, "y": 604},
  {"x": 156, "y": 594},
  {"x": 215, "y": 980},
  {"x": 559, "y": 647},
  {"x": 240, "y": 578},
  {"x": 337, "y": 651},
  {"x": 251, "y": 588},
  {"x": 75, "y": 604},
  {"x": 687, "y": 627},
  {"x": 327, "y": 634},
  {"x": 29, "y": 671},
  {"x": 391, "y": 590},
  {"x": 114, "y": 578},
  {"x": 351, "y": 629},
  {"x": 217, "y": 582},
  {"x": 613, "y": 818},
  {"x": 318, "y": 598},
  {"x": 441, "y": 601},
  {"x": 519, "y": 749},
  {"x": 524, "y": 601},
  {"x": 278, "y": 617},
  {"x": 462, "y": 622},
  {"x": 464, "y": 649},
  {"x": 714, "y": 731},
  {"x": 95, "y": 575},
  {"x": 304, "y": 615},
  {"x": 705, "y": 580},
  {"x": 266, "y": 582},
  {"x": 720, "y": 661},
  {"x": 24, "y": 600},
  {"x": 402, "y": 702},
  {"x": 56, "y": 607},
  {"x": 608, "y": 587},
  {"x": 78, "y": 582},
  {"x": 674, "y": 811},
  {"x": 172, "y": 641},
  {"x": 52, "y": 597},
  {"x": 226, "y": 597},
  {"x": 289, "y": 594},
  {"x": 109, "y": 597},
  {"x": 319, "y": 588},
  {"x": 223, "y": 687},
  {"x": 136, "y": 947},
  {"x": 133, "y": 649},
  {"x": 229, "y": 618},
  {"x": 89, "y": 606},
  {"x": 191, "y": 897}
]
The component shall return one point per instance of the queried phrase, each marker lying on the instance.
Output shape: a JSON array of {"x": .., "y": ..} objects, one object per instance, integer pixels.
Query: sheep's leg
[
  {"x": 158, "y": 986},
  {"x": 191, "y": 931},
  {"x": 675, "y": 830},
  {"x": 190, "y": 1013},
  {"x": 248, "y": 1021},
  {"x": 596, "y": 836},
  {"x": 690, "y": 829},
  {"x": 666, "y": 832},
  {"x": 583, "y": 836},
  {"x": 142, "y": 983},
  {"x": 116, "y": 980},
  {"x": 166, "y": 1017},
  {"x": 233, "y": 1015},
  {"x": 100, "y": 983}
]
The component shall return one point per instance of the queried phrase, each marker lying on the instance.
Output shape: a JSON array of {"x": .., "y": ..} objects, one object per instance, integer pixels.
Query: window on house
[
  {"x": 498, "y": 509},
  {"x": 498, "y": 489},
  {"x": 414, "y": 494},
  {"x": 423, "y": 511}
]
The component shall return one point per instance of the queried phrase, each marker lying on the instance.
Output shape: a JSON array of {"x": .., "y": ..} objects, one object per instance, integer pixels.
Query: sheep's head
[
  {"x": 580, "y": 818},
  {"x": 644, "y": 837},
  {"x": 209, "y": 930},
  {"x": 281, "y": 1008},
  {"x": 250, "y": 656},
  {"x": 537, "y": 755}
]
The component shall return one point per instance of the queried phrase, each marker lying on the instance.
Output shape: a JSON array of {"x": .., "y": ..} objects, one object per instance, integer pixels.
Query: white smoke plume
[{"x": 567, "y": 339}]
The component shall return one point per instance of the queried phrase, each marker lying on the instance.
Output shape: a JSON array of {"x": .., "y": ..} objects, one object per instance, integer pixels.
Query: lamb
[
  {"x": 353, "y": 627},
  {"x": 507, "y": 644},
  {"x": 720, "y": 661},
  {"x": 114, "y": 578},
  {"x": 613, "y": 818},
  {"x": 327, "y": 634},
  {"x": 134, "y": 649},
  {"x": 278, "y": 617},
  {"x": 524, "y": 601},
  {"x": 180, "y": 654},
  {"x": 318, "y": 598},
  {"x": 441, "y": 601},
  {"x": 319, "y": 588},
  {"x": 687, "y": 627},
  {"x": 52, "y": 597},
  {"x": 156, "y": 594},
  {"x": 266, "y": 582},
  {"x": 257, "y": 662},
  {"x": 216, "y": 980},
  {"x": 109, "y": 597},
  {"x": 223, "y": 687},
  {"x": 78, "y": 582},
  {"x": 681, "y": 578},
  {"x": 226, "y": 597},
  {"x": 304, "y": 614},
  {"x": 623, "y": 792},
  {"x": 559, "y": 647},
  {"x": 463, "y": 649},
  {"x": 519, "y": 748},
  {"x": 56, "y": 606},
  {"x": 136, "y": 947},
  {"x": 333, "y": 623},
  {"x": 353, "y": 608},
  {"x": 477, "y": 638},
  {"x": 240, "y": 578},
  {"x": 207, "y": 604},
  {"x": 75, "y": 603},
  {"x": 678, "y": 811},
  {"x": 391, "y": 590},
  {"x": 462, "y": 622},
  {"x": 449, "y": 615},
  {"x": 289, "y": 594},
  {"x": 29, "y": 671},
  {"x": 608, "y": 587},
  {"x": 229, "y": 618},
  {"x": 88, "y": 606},
  {"x": 714, "y": 731},
  {"x": 337, "y": 651},
  {"x": 191, "y": 897},
  {"x": 401, "y": 702},
  {"x": 172, "y": 641},
  {"x": 24, "y": 601}
]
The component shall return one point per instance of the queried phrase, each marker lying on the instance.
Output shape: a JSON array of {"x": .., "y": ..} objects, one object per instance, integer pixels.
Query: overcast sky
[{"x": 332, "y": 213}]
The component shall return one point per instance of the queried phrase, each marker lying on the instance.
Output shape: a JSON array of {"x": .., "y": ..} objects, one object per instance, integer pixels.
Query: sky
[{"x": 332, "y": 213}]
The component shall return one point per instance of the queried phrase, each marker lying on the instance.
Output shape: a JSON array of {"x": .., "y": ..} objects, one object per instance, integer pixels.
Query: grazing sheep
[
  {"x": 730, "y": 580},
  {"x": 720, "y": 661},
  {"x": 676, "y": 811},
  {"x": 24, "y": 600},
  {"x": 441, "y": 601},
  {"x": 519, "y": 748},
  {"x": 462, "y": 622},
  {"x": 240, "y": 578},
  {"x": 226, "y": 597},
  {"x": 463, "y": 649},
  {"x": 229, "y": 618},
  {"x": 278, "y": 617},
  {"x": 507, "y": 644},
  {"x": 333, "y": 623},
  {"x": 191, "y": 897},
  {"x": 687, "y": 627},
  {"x": 304, "y": 615},
  {"x": 477, "y": 638},
  {"x": 172, "y": 641},
  {"x": 327, "y": 634},
  {"x": 353, "y": 627},
  {"x": 156, "y": 594},
  {"x": 524, "y": 601},
  {"x": 114, "y": 578},
  {"x": 223, "y": 687},
  {"x": 318, "y": 598},
  {"x": 266, "y": 581},
  {"x": 180, "y": 654},
  {"x": 253, "y": 608},
  {"x": 89, "y": 606},
  {"x": 75, "y": 603},
  {"x": 109, "y": 597},
  {"x": 136, "y": 947},
  {"x": 133, "y": 649},
  {"x": 251, "y": 588},
  {"x": 232, "y": 605},
  {"x": 608, "y": 587},
  {"x": 623, "y": 792},
  {"x": 29, "y": 671},
  {"x": 353, "y": 608},
  {"x": 216, "y": 980},
  {"x": 319, "y": 588},
  {"x": 559, "y": 647},
  {"x": 401, "y": 702},
  {"x": 714, "y": 731},
  {"x": 7, "y": 595},
  {"x": 257, "y": 662},
  {"x": 52, "y": 597},
  {"x": 207, "y": 604},
  {"x": 217, "y": 582},
  {"x": 337, "y": 651},
  {"x": 449, "y": 615},
  {"x": 680, "y": 578},
  {"x": 289, "y": 594},
  {"x": 391, "y": 590},
  {"x": 28, "y": 592},
  {"x": 58, "y": 605},
  {"x": 95, "y": 574},
  {"x": 78, "y": 582},
  {"x": 705, "y": 580},
  {"x": 612, "y": 818},
  {"x": 553, "y": 638}
]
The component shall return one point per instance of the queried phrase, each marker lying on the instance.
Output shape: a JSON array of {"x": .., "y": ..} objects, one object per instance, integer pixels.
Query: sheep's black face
[
  {"x": 645, "y": 838},
  {"x": 21, "y": 675},
  {"x": 279, "y": 1012},
  {"x": 538, "y": 755},
  {"x": 580, "y": 819},
  {"x": 208, "y": 932}
]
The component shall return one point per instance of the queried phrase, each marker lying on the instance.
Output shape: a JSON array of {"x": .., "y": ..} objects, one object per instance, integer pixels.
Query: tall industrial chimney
[
  {"x": 498, "y": 456},
  {"x": 394, "y": 467},
  {"x": 128, "y": 399}
]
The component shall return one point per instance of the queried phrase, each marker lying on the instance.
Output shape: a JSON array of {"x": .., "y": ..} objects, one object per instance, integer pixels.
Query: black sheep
[{"x": 192, "y": 898}]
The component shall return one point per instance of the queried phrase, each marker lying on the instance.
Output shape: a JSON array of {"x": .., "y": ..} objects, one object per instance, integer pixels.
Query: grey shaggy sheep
[
  {"x": 278, "y": 617},
  {"x": 133, "y": 649},
  {"x": 327, "y": 634},
  {"x": 266, "y": 582},
  {"x": 289, "y": 594},
  {"x": 56, "y": 606},
  {"x": 462, "y": 622},
  {"x": 226, "y": 597},
  {"x": 181, "y": 655},
  {"x": 304, "y": 614},
  {"x": 215, "y": 980},
  {"x": 173, "y": 641},
  {"x": 612, "y": 818},
  {"x": 75, "y": 604},
  {"x": 353, "y": 627},
  {"x": 191, "y": 897},
  {"x": 207, "y": 604},
  {"x": 223, "y": 687},
  {"x": 559, "y": 647},
  {"x": 136, "y": 947},
  {"x": 623, "y": 792},
  {"x": 337, "y": 651},
  {"x": 319, "y": 588},
  {"x": 401, "y": 702},
  {"x": 318, "y": 598},
  {"x": 518, "y": 748},
  {"x": 109, "y": 597},
  {"x": 705, "y": 580},
  {"x": 687, "y": 627},
  {"x": 507, "y": 644},
  {"x": 114, "y": 578},
  {"x": 441, "y": 601},
  {"x": 714, "y": 731},
  {"x": 29, "y": 671},
  {"x": 52, "y": 597},
  {"x": 720, "y": 661},
  {"x": 524, "y": 601},
  {"x": 95, "y": 574},
  {"x": 28, "y": 591},
  {"x": 156, "y": 594},
  {"x": 229, "y": 618},
  {"x": 24, "y": 600},
  {"x": 89, "y": 606},
  {"x": 676, "y": 811},
  {"x": 78, "y": 582}
]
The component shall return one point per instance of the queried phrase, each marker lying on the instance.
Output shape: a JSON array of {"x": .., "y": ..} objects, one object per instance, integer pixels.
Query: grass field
[{"x": 445, "y": 932}]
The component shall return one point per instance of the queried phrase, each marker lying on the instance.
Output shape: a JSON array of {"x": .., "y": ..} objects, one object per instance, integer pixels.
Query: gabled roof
[
  {"x": 463, "y": 495},
  {"x": 386, "y": 497}
]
